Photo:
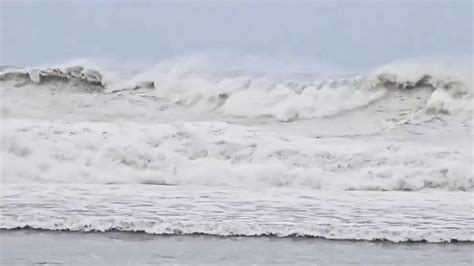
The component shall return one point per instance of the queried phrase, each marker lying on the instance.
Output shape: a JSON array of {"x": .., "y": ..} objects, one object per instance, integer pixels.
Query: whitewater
[{"x": 177, "y": 149}]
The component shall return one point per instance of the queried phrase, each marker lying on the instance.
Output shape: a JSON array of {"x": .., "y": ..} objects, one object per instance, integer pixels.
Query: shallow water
[
  {"x": 433, "y": 216},
  {"x": 26, "y": 247}
]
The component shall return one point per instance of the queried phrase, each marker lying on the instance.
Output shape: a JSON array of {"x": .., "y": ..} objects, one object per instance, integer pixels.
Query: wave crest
[{"x": 252, "y": 97}]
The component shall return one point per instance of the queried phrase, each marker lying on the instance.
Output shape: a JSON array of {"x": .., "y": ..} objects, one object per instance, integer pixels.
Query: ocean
[{"x": 179, "y": 164}]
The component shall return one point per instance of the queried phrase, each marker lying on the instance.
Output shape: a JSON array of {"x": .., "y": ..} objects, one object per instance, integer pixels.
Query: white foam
[
  {"x": 285, "y": 100},
  {"x": 63, "y": 148},
  {"x": 164, "y": 210},
  {"x": 222, "y": 154},
  {"x": 454, "y": 73}
]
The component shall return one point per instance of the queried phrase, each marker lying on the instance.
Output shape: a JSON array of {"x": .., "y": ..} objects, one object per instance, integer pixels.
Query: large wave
[
  {"x": 100, "y": 126},
  {"x": 241, "y": 94}
]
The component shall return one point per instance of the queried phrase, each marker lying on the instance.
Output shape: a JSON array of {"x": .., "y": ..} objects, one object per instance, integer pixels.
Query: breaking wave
[
  {"x": 181, "y": 150},
  {"x": 109, "y": 127},
  {"x": 236, "y": 94},
  {"x": 222, "y": 154},
  {"x": 225, "y": 230}
]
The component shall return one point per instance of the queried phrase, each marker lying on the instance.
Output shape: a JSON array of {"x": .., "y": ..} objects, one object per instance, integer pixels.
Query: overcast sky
[{"x": 348, "y": 33}]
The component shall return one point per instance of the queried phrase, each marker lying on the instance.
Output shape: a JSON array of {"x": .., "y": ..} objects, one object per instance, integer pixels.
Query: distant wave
[
  {"x": 247, "y": 96},
  {"x": 76, "y": 76}
]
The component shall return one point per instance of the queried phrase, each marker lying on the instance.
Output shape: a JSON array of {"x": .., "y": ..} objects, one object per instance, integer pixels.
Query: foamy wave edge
[{"x": 233, "y": 230}]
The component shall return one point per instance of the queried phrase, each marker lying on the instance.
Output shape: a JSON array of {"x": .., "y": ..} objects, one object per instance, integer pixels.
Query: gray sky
[{"x": 355, "y": 34}]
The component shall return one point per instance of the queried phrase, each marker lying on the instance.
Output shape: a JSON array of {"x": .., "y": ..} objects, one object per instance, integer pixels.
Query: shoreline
[
  {"x": 119, "y": 248},
  {"x": 293, "y": 237}
]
